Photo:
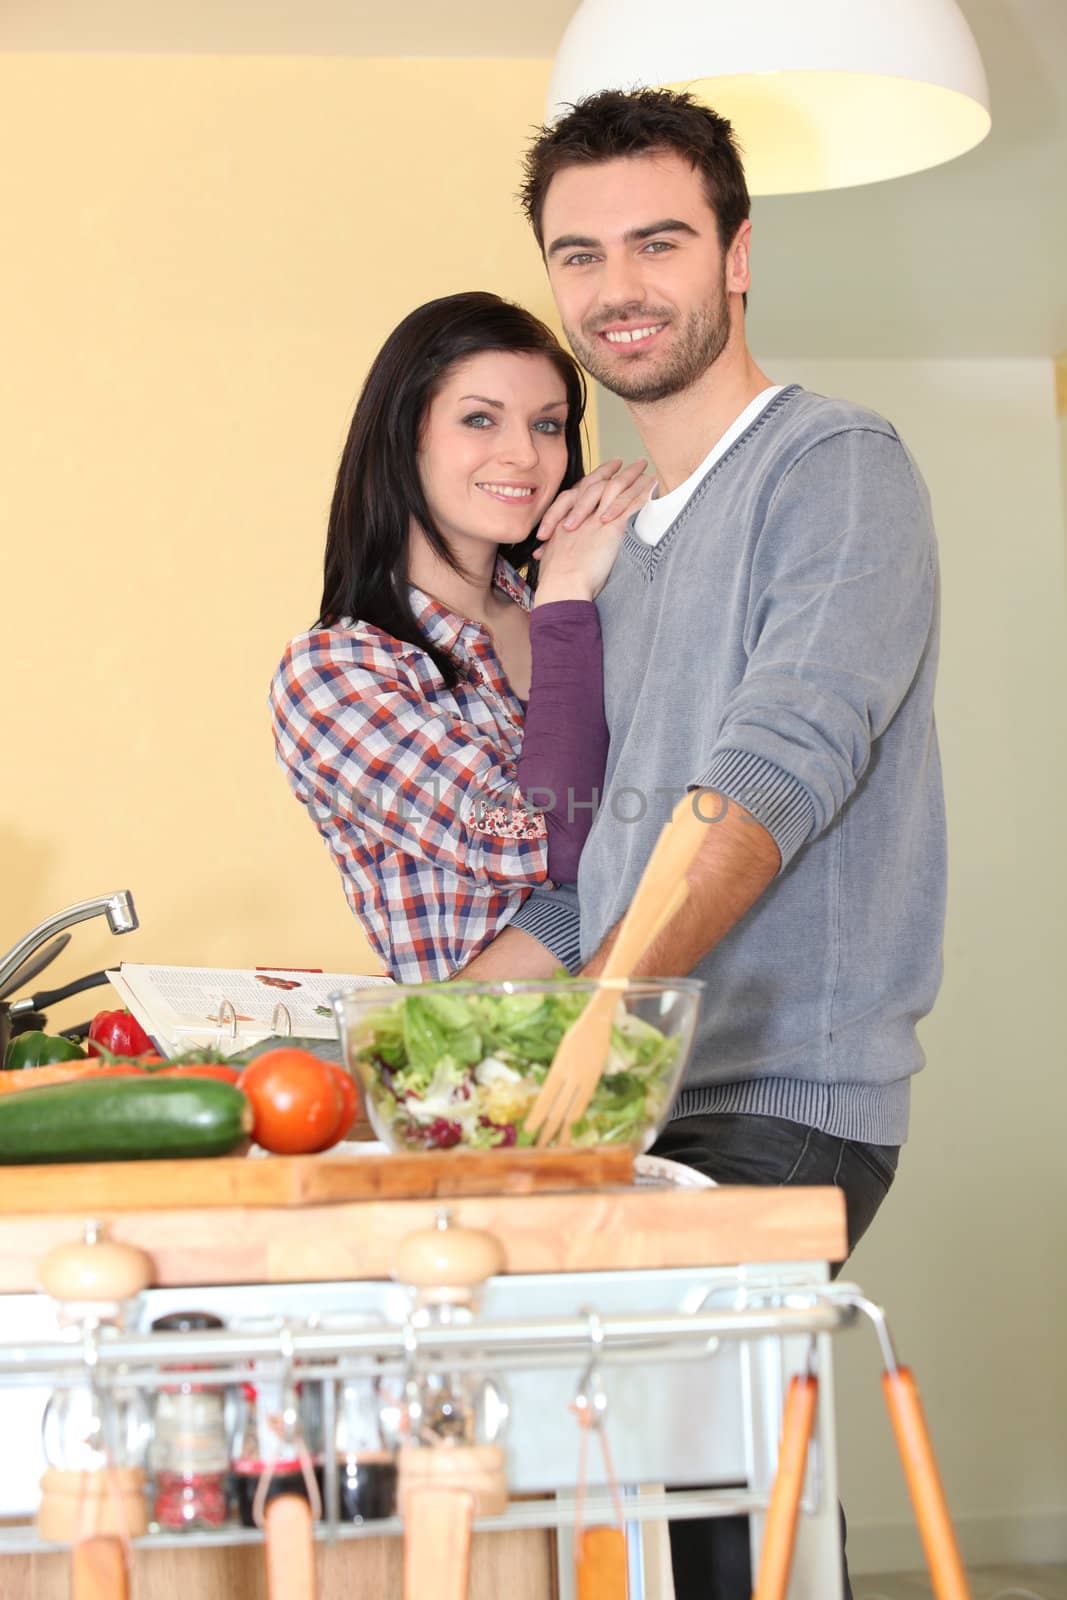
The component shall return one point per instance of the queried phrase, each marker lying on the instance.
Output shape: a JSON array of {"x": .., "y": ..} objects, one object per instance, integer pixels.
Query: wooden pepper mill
[
  {"x": 446, "y": 1476},
  {"x": 93, "y": 1490}
]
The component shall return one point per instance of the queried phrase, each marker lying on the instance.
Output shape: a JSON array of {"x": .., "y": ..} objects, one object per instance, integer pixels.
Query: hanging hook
[
  {"x": 286, "y": 1425},
  {"x": 590, "y": 1407},
  {"x": 811, "y": 1360},
  {"x": 290, "y": 1408},
  {"x": 91, "y": 1346},
  {"x": 96, "y": 1440},
  {"x": 287, "y": 1350},
  {"x": 412, "y": 1413},
  {"x": 591, "y": 1400}
]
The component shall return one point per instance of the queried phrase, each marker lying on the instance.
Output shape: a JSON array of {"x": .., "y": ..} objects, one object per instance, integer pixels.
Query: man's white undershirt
[{"x": 656, "y": 516}]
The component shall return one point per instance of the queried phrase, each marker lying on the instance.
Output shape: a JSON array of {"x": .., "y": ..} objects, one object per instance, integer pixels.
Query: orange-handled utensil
[
  {"x": 601, "y": 1565},
  {"x": 98, "y": 1569},
  {"x": 917, "y": 1458},
  {"x": 288, "y": 1520},
  {"x": 776, "y": 1556},
  {"x": 290, "y": 1548},
  {"x": 437, "y": 1543},
  {"x": 924, "y": 1485}
]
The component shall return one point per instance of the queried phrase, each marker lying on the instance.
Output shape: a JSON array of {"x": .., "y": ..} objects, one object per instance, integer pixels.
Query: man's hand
[{"x": 735, "y": 864}]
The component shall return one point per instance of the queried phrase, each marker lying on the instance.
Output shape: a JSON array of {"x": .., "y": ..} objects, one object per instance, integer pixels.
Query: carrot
[{"x": 61, "y": 1072}]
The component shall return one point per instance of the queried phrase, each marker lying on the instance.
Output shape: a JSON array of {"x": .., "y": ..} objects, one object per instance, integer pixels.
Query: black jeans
[{"x": 710, "y": 1558}]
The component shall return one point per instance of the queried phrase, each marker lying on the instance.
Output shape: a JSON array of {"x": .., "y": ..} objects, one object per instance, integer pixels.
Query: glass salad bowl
[{"x": 444, "y": 1065}]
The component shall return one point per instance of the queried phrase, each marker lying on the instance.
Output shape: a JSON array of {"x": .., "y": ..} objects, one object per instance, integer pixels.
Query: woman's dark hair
[
  {"x": 379, "y": 491},
  {"x": 642, "y": 122}
]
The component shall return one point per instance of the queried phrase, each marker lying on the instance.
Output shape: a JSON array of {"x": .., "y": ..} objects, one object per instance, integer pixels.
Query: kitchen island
[{"x": 626, "y": 1254}]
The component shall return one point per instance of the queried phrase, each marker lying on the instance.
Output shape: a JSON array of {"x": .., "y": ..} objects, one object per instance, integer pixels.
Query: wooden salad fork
[{"x": 582, "y": 1052}]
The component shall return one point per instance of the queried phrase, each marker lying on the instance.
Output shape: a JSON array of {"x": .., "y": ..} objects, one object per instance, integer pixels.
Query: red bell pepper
[{"x": 119, "y": 1034}]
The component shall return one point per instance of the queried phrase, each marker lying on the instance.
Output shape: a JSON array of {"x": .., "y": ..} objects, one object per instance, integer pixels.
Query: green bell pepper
[{"x": 40, "y": 1050}]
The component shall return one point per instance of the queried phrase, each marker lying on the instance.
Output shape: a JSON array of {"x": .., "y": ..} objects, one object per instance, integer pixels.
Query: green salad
[{"x": 448, "y": 1069}]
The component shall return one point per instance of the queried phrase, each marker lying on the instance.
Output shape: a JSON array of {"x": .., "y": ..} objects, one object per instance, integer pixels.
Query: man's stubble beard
[{"x": 703, "y": 340}]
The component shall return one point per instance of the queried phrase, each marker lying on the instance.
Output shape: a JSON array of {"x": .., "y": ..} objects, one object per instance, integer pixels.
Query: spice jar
[{"x": 190, "y": 1453}]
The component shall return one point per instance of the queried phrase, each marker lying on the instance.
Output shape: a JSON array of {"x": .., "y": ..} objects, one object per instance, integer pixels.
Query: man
[{"x": 770, "y": 636}]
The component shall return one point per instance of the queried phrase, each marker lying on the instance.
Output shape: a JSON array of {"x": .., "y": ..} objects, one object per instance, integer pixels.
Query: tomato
[
  {"x": 296, "y": 1101},
  {"x": 202, "y": 1069},
  {"x": 350, "y": 1104}
]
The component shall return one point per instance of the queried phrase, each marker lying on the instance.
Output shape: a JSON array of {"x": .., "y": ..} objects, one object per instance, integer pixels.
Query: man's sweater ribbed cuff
[
  {"x": 555, "y": 924},
  {"x": 774, "y": 797}
]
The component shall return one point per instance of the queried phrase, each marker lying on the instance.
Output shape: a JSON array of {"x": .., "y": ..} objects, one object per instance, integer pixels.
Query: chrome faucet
[{"x": 117, "y": 908}]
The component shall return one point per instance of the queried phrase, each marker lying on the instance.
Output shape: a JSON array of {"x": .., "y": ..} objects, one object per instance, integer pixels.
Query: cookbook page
[{"x": 184, "y": 1003}]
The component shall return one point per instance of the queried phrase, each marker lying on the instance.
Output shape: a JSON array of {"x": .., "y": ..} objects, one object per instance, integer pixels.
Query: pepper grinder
[
  {"x": 446, "y": 1476},
  {"x": 93, "y": 1489}
]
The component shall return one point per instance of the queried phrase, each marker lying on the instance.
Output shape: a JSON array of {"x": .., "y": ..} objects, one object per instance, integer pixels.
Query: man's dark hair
[{"x": 643, "y": 122}]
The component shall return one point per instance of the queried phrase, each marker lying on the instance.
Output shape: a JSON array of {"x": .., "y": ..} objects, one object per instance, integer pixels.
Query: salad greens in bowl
[{"x": 460, "y": 1064}]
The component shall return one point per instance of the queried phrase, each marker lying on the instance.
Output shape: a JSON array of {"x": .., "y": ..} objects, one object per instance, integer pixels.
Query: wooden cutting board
[{"x": 305, "y": 1180}]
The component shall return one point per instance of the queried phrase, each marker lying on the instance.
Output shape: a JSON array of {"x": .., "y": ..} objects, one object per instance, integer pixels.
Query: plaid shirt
[{"x": 411, "y": 784}]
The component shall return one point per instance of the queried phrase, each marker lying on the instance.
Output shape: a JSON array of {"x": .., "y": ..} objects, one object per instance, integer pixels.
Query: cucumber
[{"x": 123, "y": 1119}]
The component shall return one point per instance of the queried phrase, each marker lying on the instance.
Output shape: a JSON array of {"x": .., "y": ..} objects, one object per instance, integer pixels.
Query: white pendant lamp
[{"x": 823, "y": 94}]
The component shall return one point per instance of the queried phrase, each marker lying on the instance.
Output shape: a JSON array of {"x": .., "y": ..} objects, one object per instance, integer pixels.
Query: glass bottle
[
  {"x": 261, "y": 1445},
  {"x": 366, "y": 1470},
  {"x": 190, "y": 1455}
]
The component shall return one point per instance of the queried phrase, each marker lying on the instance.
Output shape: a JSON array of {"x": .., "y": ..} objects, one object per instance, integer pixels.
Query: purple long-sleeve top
[{"x": 565, "y": 746}]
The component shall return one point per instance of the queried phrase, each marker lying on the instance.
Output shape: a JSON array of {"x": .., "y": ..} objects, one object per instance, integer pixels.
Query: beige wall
[
  {"x": 200, "y": 258},
  {"x": 1061, "y": 411},
  {"x": 968, "y": 1253}
]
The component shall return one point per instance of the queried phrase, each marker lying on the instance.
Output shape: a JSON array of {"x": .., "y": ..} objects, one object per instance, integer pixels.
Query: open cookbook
[{"x": 184, "y": 1007}]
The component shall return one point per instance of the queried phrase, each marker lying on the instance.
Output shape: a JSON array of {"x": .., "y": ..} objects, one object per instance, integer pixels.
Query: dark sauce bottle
[
  {"x": 253, "y": 1455},
  {"x": 366, "y": 1470},
  {"x": 366, "y": 1485}
]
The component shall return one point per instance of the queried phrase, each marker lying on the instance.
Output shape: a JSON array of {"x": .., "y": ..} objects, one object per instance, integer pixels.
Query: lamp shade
[{"x": 822, "y": 94}]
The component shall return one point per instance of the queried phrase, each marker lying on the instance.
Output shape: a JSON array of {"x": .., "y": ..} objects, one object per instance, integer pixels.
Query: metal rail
[{"x": 655, "y": 1336}]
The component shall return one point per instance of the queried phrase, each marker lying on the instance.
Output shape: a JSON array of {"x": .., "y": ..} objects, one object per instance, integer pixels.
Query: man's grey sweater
[{"x": 779, "y": 645}]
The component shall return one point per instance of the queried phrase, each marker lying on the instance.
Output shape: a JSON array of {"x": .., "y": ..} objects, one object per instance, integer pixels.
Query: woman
[{"x": 442, "y": 721}]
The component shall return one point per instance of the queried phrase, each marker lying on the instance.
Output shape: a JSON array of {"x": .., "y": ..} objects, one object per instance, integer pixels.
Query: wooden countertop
[{"x": 591, "y": 1231}]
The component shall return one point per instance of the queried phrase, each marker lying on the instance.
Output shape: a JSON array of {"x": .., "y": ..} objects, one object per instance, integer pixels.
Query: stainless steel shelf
[{"x": 679, "y": 1505}]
